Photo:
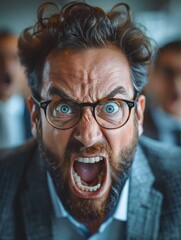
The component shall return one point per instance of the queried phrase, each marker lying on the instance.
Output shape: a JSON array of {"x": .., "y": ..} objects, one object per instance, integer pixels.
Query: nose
[{"x": 88, "y": 131}]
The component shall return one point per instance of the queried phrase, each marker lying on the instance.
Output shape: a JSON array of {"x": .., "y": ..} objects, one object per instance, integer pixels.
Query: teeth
[
  {"x": 79, "y": 184},
  {"x": 88, "y": 189},
  {"x": 89, "y": 160}
]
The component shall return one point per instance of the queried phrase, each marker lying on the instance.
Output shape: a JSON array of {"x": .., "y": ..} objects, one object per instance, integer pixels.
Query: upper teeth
[{"x": 89, "y": 160}]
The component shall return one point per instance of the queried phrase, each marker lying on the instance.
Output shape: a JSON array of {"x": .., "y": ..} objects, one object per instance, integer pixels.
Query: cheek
[
  {"x": 55, "y": 139},
  {"x": 120, "y": 138}
]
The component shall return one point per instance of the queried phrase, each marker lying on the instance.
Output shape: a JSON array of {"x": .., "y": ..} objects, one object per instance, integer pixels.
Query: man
[
  {"x": 163, "y": 113},
  {"x": 77, "y": 180},
  {"x": 14, "y": 120}
]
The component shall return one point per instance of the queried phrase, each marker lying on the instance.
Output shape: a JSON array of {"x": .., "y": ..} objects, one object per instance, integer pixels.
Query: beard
[{"x": 86, "y": 210}]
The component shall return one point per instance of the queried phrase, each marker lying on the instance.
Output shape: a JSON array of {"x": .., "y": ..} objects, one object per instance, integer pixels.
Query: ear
[
  {"x": 34, "y": 114},
  {"x": 140, "y": 113}
]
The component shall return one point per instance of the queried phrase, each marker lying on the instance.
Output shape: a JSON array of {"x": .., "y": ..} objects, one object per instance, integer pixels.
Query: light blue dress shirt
[{"x": 67, "y": 228}]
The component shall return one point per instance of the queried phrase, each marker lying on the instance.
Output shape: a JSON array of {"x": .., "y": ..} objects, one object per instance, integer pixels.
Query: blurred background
[{"x": 162, "y": 18}]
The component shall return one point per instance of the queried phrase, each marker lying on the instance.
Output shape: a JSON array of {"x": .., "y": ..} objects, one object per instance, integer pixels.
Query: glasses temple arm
[
  {"x": 36, "y": 101},
  {"x": 136, "y": 96}
]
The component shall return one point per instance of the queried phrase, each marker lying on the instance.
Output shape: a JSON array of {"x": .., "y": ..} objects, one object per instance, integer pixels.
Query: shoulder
[
  {"x": 161, "y": 155},
  {"x": 13, "y": 164},
  {"x": 165, "y": 163},
  {"x": 14, "y": 160},
  {"x": 14, "y": 152}
]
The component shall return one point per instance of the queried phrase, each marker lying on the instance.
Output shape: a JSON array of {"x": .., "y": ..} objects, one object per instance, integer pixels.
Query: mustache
[
  {"x": 74, "y": 146},
  {"x": 55, "y": 163}
]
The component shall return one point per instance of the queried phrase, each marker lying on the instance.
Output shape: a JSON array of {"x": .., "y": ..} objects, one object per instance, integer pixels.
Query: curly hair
[{"x": 78, "y": 26}]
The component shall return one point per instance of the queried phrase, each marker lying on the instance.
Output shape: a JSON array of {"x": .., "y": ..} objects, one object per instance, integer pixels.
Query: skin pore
[{"x": 88, "y": 76}]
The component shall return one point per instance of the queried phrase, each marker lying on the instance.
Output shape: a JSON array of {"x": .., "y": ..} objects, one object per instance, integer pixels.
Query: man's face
[
  {"x": 165, "y": 83},
  {"x": 88, "y": 76},
  {"x": 11, "y": 72}
]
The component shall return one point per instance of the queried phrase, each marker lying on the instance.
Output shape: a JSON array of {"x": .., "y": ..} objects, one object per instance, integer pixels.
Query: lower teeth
[{"x": 82, "y": 187}]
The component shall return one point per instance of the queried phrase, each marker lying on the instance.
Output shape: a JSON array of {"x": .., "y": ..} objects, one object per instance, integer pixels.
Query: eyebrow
[
  {"x": 59, "y": 92},
  {"x": 118, "y": 90}
]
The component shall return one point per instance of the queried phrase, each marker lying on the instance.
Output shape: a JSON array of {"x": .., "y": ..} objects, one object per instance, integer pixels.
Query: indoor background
[{"x": 162, "y": 18}]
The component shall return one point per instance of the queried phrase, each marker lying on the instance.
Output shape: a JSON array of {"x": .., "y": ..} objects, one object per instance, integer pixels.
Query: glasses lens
[
  {"x": 112, "y": 114},
  {"x": 63, "y": 114}
]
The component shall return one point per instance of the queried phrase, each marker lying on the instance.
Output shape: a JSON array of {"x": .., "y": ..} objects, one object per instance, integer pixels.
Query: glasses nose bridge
[{"x": 88, "y": 104}]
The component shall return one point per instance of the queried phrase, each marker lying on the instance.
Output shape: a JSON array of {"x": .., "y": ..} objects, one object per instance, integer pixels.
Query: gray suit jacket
[{"x": 154, "y": 207}]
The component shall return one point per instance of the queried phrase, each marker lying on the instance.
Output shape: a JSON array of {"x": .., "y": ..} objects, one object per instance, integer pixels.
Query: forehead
[{"x": 87, "y": 74}]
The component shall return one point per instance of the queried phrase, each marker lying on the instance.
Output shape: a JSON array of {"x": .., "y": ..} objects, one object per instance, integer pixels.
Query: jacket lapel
[
  {"x": 36, "y": 203},
  {"x": 144, "y": 201}
]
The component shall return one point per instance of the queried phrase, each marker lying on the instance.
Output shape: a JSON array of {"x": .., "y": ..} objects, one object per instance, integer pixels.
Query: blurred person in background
[
  {"x": 14, "y": 116},
  {"x": 162, "y": 118}
]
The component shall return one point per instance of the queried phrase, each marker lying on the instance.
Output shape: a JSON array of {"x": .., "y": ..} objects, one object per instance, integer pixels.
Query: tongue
[{"x": 88, "y": 171}]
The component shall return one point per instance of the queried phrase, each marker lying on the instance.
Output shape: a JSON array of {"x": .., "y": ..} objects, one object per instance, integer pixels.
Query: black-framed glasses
[{"x": 109, "y": 113}]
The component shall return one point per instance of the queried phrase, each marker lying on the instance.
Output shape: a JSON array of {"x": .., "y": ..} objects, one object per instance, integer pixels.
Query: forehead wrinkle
[
  {"x": 58, "y": 75},
  {"x": 109, "y": 77},
  {"x": 86, "y": 79},
  {"x": 62, "y": 70}
]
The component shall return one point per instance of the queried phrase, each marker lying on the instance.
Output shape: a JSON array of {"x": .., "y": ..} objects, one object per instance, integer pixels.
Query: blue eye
[
  {"x": 111, "y": 107},
  {"x": 64, "y": 108}
]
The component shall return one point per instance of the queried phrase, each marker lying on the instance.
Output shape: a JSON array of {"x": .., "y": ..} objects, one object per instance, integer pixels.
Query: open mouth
[{"x": 89, "y": 176}]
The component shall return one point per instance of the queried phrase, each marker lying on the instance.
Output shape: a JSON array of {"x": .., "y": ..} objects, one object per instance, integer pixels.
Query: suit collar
[{"x": 144, "y": 201}]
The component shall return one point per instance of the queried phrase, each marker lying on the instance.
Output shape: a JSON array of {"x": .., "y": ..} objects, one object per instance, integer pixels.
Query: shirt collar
[
  {"x": 121, "y": 210},
  {"x": 119, "y": 214}
]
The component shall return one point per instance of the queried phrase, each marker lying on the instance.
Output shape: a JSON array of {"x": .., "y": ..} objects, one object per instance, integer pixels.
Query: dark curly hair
[{"x": 78, "y": 25}]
